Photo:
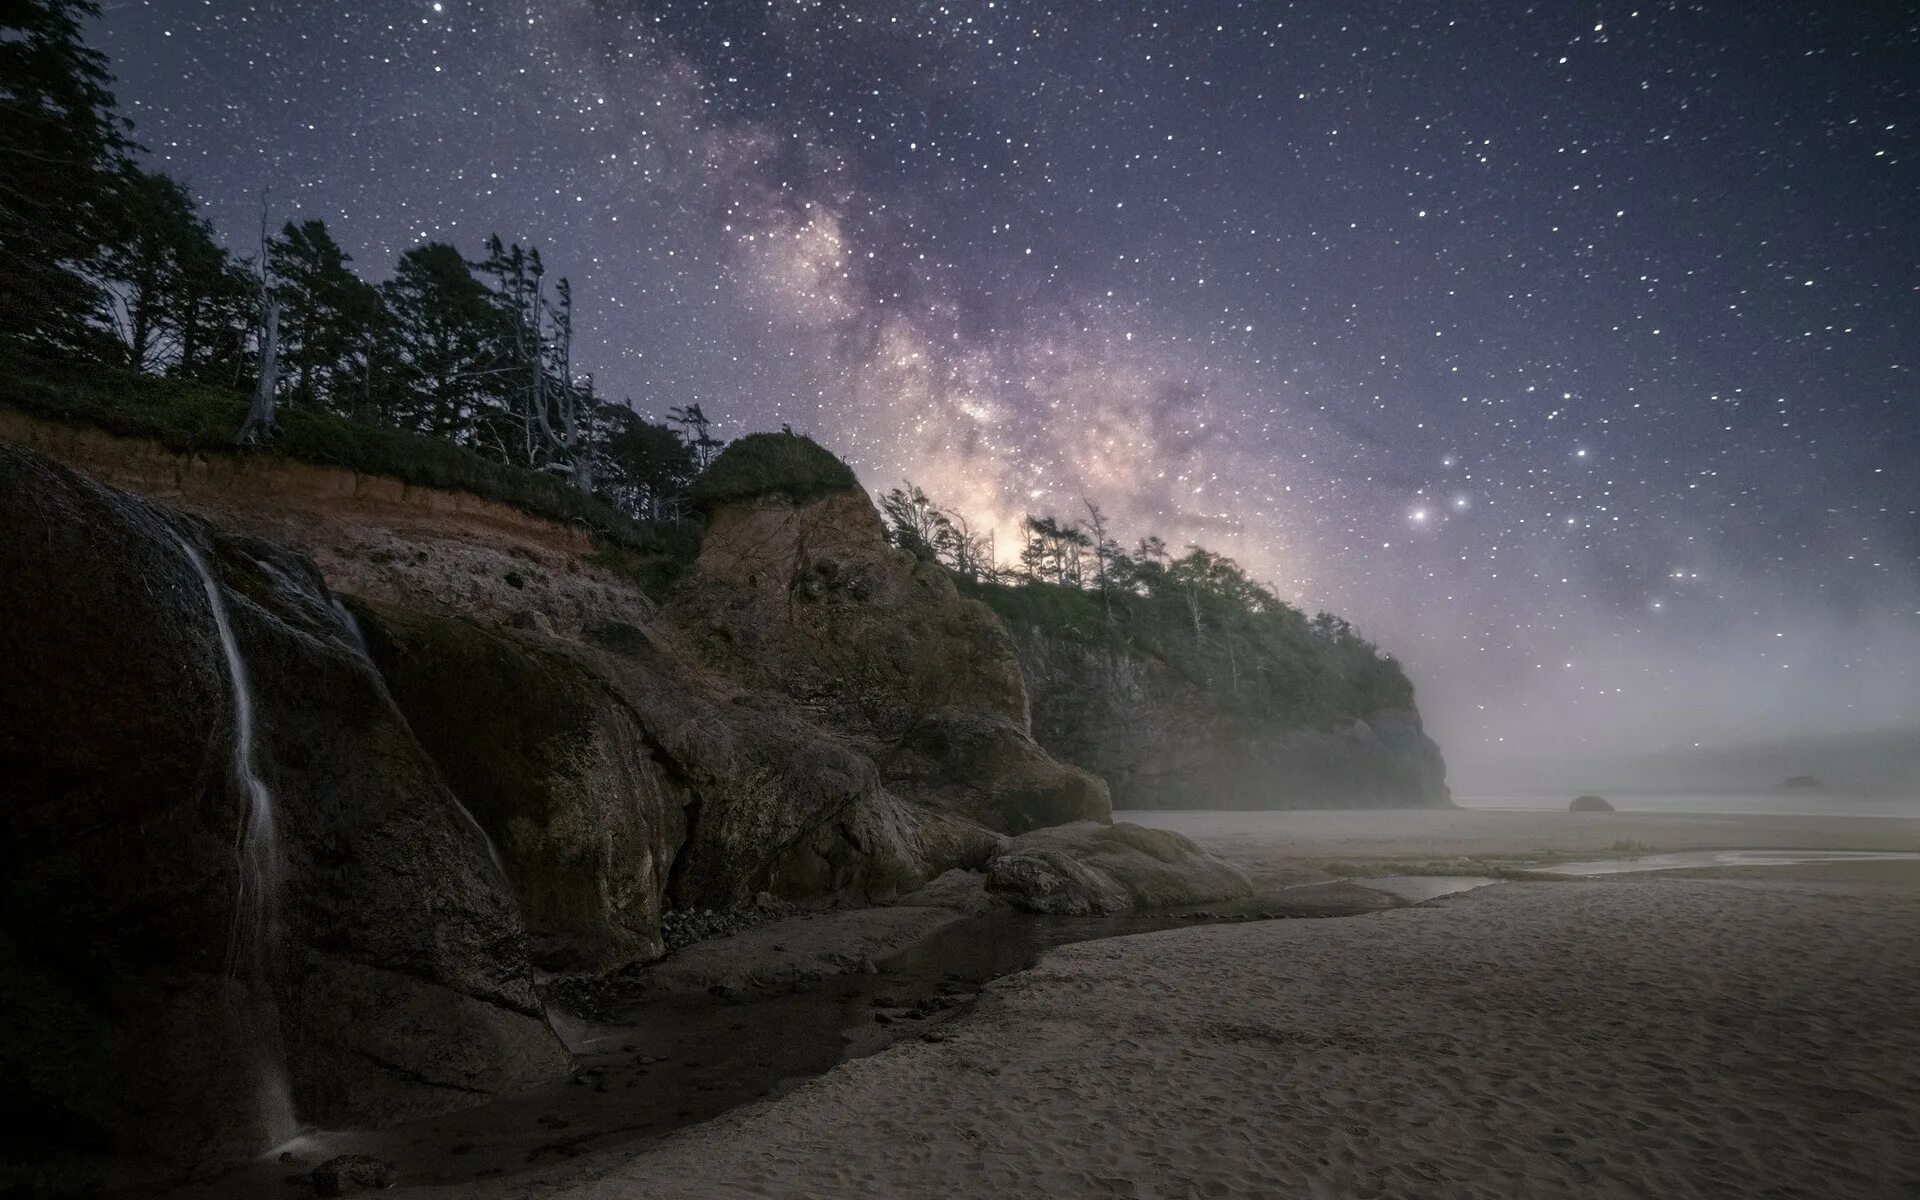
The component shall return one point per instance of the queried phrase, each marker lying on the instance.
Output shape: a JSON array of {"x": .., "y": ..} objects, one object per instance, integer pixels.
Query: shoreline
[
  {"x": 1311, "y": 835},
  {"x": 1622, "y": 1037},
  {"x": 804, "y": 993}
]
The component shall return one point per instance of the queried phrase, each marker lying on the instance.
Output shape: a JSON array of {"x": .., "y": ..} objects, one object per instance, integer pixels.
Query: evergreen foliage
[
  {"x": 1200, "y": 613},
  {"x": 186, "y": 416},
  {"x": 63, "y": 161},
  {"x": 112, "y": 264}
]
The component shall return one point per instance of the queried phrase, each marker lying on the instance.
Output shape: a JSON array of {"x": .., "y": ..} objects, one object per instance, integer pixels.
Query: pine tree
[
  {"x": 518, "y": 416},
  {"x": 365, "y": 378},
  {"x": 213, "y": 312},
  {"x": 698, "y": 433},
  {"x": 914, "y": 522},
  {"x": 148, "y": 270},
  {"x": 320, "y": 299},
  {"x": 572, "y": 398},
  {"x": 62, "y": 150},
  {"x": 1105, "y": 551},
  {"x": 443, "y": 327},
  {"x": 649, "y": 467}
]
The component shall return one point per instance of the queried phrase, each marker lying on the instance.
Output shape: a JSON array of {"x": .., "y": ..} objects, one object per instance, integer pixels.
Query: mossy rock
[
  {"x": 555, "y": 770},
  {"x": 787, "y": 466}
]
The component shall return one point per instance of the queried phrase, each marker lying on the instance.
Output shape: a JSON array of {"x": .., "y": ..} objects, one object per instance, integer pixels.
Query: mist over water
[{"x": 1720, "y": 677}]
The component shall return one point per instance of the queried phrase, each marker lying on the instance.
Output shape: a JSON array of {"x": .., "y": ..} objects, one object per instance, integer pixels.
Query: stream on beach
[{"x": 652, "y": 1063}]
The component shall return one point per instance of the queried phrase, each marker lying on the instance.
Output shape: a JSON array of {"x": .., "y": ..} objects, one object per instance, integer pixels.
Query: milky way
[{"x": 1569, "y": 349}]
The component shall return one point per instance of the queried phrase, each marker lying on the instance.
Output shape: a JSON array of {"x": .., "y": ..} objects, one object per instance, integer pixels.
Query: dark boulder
[
  {"x": 1090, "y": 869},
  {"x": 583, "y": 811},
  {"x": 346, "y": 1174},
  {"x": 985, "y": 765},
  {"x": 1590, "y": 803},
  {"x": 621, "y": 781}
]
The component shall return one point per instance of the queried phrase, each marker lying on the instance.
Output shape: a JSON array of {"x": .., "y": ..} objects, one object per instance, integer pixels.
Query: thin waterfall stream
[{"x": 260, "y": 862}]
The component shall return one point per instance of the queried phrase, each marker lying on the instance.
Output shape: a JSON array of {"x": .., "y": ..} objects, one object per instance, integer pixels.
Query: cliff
[
  {"x": 234, "y": 885},
  {"x": 303, "y": 792},
  {"x": 310, "y": 779},
  {"x": 1161, "y": 739}
]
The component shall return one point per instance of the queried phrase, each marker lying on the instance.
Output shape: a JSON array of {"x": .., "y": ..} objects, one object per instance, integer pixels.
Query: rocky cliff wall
[
  {"x": 232, "y": 886},
  {"x": 809, "y": 602},
  {"x": 496, "y": 757},
  {"x": 491, "y": 754},
  {"x": 1161, "y": 742}
]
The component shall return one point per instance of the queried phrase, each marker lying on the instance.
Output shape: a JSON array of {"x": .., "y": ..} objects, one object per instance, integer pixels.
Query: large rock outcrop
[
  {"x": 619, "y": 780},
  {"x": 800, "y": 594},
  {"x": 1089, "y": 869},
  {"x": 373, "y": 971},
  {"x": 500, "y": 755},
  {"x": 1161, "y": 742}
]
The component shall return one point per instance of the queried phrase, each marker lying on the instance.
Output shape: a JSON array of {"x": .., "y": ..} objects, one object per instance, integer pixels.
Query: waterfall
[{"x": 255, "y": 911}]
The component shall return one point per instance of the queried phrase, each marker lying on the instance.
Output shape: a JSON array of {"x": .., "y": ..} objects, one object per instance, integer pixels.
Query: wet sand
[
  {"x": 1297, "y": 838},
  {"x": 1734, "y": 1032}
]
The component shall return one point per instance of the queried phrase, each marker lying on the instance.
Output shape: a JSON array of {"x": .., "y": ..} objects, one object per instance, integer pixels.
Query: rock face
[
  {"x": 1160, "y": 742},
  {"x": 1590, "y": 803},
  {"x": 391, "y": 980},
  {"x": 498, "y": 755},
  {"x": 617, "y": 780},
  {"x": 1086, "y": 869},
  {"x": 810, "y": 602}
]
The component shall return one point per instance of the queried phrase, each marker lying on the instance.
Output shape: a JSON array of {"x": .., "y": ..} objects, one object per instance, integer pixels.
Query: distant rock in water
[
  {"x": 1590, "y": 803},
  {"x": 1801, "y": 781}
]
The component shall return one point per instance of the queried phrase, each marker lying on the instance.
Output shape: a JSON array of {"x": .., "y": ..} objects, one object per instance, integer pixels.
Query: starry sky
[{"x": 1571, "y": 349}]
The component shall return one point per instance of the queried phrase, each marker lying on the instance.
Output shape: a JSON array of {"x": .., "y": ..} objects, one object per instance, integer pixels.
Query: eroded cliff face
[
  {"x": 1161, "y": 742},
  {"x": 488, "y": 754},
  {"x": 492, "y": 755},
  {"x": 618, "y": 781},
  {"x": 810, "y": 602},
  {"x": 161, "y": 986}
]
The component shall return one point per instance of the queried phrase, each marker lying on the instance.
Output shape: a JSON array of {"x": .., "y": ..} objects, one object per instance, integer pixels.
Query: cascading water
[{"x": 255, "y": 914}]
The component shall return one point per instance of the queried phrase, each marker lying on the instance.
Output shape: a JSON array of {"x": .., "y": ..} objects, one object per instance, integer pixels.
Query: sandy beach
[{"x": 1750, "y": 1032}]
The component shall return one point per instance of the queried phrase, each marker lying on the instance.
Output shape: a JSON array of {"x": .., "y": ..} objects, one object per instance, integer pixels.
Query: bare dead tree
[
  {"x": 1097, "y": 527},
  {"x": 258, "y": 426}
]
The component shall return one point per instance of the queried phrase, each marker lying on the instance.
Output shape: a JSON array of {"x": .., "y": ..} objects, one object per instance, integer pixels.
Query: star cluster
[{"x": 1569, "y": 350}]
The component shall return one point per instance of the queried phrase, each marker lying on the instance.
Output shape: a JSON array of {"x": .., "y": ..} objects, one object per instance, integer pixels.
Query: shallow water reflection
[
  {"x": 1696, "y": 859},
  {"x": 1415, "y": 889}
]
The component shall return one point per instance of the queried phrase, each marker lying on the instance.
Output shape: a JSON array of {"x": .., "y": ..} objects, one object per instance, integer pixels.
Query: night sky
[{"x": 1572, "y": 350}]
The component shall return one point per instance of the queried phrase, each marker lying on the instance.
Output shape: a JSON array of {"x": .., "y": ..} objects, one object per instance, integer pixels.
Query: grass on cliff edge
[
  {"x": 188, "y": 417},
  {"x": 790, "y": 465}
]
